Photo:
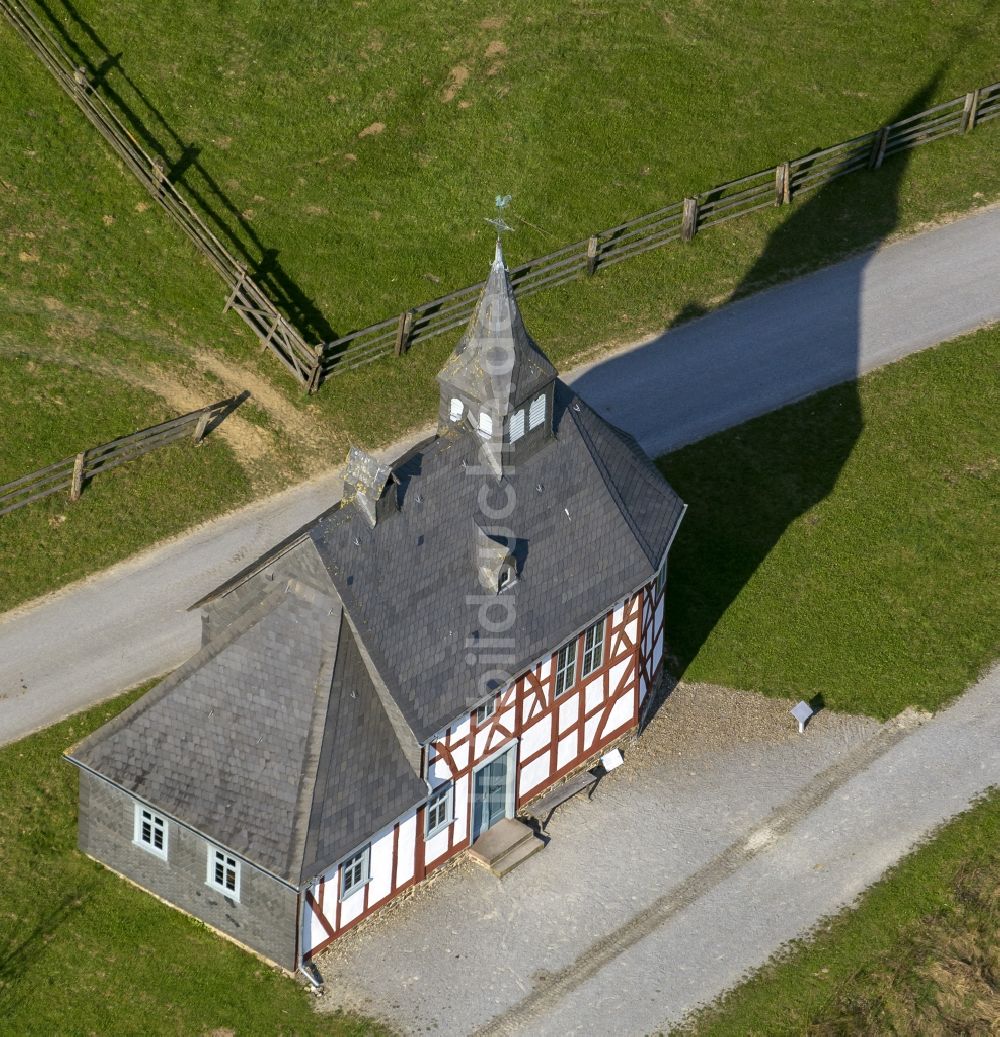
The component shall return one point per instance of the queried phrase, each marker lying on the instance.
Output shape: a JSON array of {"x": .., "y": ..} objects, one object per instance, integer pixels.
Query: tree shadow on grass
[
  {"x": 184, "y": 168},
  {"x": 746, "y": 486}
]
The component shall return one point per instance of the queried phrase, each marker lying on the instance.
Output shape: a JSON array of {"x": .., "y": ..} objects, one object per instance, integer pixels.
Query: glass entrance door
[{"x": 493, "y": 793}]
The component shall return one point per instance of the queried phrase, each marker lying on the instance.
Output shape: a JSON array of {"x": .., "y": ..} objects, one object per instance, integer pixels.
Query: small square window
[
  {"x": 566, "y": 667},
  {"x": 223, "y": 873},
  {"x": 485, "y": 711},
  {"x": 150, "y": 831},
  {"x": 439, "y": 813},
  {"x": 354, "y": 872},
  {"x": 593, "y": 648}
]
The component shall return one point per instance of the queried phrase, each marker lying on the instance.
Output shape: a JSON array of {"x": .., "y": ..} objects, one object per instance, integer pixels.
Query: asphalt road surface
[{"x": 94, "y": 639}]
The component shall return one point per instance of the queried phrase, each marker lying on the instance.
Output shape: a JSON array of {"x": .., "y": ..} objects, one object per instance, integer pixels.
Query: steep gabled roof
[
  {"x": 496, "y": 362},
  {"x": 240, "y": 741}
]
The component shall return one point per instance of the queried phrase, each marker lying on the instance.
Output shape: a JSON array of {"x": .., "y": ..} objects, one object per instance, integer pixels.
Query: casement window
[
  {"x": 457, "y": 410},
  {"x": 536, "y": 414},
  {"x": 516, "y": 428},
  {"x": 355, "y": 872},
  {"x": 661, "y": 580},
  {"x": 150, "y": 831},
  {"x": 485, "y": 425},
  {"x": 593, "y": 648},
  {"x": 566, "y": 667},
  {"x": 485, "y": 711},
  {"x": 440, "y": 810},
  {"x": 223, "y": 873}
]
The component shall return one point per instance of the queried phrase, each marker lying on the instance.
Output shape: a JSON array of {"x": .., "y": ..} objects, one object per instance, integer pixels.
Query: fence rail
[
  {"x": 680, "y": 221},
  {"x": 72, "y": 473},
  {"x": 246, "y": 297}
]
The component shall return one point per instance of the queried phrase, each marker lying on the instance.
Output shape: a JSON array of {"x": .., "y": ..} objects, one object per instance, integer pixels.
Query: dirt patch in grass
[{"x": 457, "y": 78}]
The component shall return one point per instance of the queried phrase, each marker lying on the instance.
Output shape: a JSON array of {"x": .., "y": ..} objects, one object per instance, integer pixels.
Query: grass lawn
[
  {"x": 54, "y": 414},
  {"x": 82, "y": 952},
  {"x": 919, "y": 955},
  {"x": 269, "y": 117},
  {"x": 846, "y": 546}
]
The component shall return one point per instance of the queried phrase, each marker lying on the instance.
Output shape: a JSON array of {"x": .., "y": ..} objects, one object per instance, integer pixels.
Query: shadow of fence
[{"x": 280, "y": 313}]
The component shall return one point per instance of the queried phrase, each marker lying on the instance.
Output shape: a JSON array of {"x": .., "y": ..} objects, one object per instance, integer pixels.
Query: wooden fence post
[
  {"x": 689, "y": 221},
  {"x": 80, "y": 83},
  {"x": 199, "y": 429},
  {"x": 236, "y": 288},
  {"x": 970, "y": 110},
  {"x": 591, "y": 255},
  {"x": 76, "y": 486},
  {"x": 316, "y": 374},
  {"x": 159, "y": 175},
  {"x": 403, "y": 332},
  {"x": 783, "y": 184},
  {"x": 878, "y": 148}
]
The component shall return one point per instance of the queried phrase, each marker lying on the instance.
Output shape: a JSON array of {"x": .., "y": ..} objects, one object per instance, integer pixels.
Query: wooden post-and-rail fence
[
  {"x": 680, "y": 221},
  {"x": 72, "y": 473}
]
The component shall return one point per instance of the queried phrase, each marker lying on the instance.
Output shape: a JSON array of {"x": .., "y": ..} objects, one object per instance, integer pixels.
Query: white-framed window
[
  {"x": 485, "y": 424},
  {"x": 661, "y": 580},
  {"x": 150, "y": 831},
  {"x": 566, "y": 667},
  {"x": 440, "y": 810},
  {"x": 223, "y": 873},
  {"x": 536, "y": 414},
  {"x": 593, "y": 648},
  {"x": 355, "y": 872},
  {"x": 485, "y": 711},
  {"x": 516, "y": 427},
  {"x": 457, "y": 409}
]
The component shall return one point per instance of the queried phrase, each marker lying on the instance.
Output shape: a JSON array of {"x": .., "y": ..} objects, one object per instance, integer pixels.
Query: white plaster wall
[
  {"x": 567, "y": 750},
  {"x": 380, "y": 885},
  {"x": 590, "y": 731},
  {"x": 438, "y": 772},
  {"x": 545, "y": 670},
  {"x": 433, "y": 848},
  {"x": 616, "y": 674},
  {"x": 461, "y": 808},
  {"x": 533, "y": 774},
  {"x": 352, "y": 907},
  {"x": 595, "y": 693},
  {"x": 569, "y": 711},
  {"x": 539, "y": 734},
  {"x": 406, "y": 856},
  {"x": 621, "y": 713}
]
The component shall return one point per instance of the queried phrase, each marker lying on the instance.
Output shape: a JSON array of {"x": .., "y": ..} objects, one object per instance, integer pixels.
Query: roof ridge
[
  {"x": 602, "y": 468},
  {"x": 318, "y": 726}
]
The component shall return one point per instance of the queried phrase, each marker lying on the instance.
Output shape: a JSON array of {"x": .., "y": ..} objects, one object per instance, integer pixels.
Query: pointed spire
[{"x": 497, "y": 363}]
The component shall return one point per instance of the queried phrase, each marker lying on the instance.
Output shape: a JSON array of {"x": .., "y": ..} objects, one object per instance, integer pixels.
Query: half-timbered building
[{"x": 467, "y": 626}]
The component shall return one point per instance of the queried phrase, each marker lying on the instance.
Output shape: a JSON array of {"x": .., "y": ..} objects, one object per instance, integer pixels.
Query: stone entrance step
[{"x": 506, "y": 845}]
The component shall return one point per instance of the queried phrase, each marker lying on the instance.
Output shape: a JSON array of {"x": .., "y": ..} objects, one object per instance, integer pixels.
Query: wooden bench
[{"x": 545, "y": 806}]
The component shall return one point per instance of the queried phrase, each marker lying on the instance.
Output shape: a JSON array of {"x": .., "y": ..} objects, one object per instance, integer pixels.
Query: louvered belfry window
[
  {"x": 537, "y": 413},
  {"x": 516, "y": 425}
]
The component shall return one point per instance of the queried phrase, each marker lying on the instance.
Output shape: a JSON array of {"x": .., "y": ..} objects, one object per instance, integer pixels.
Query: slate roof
[
  {"x": 496, "y": 361},
  {"x": 593, "y": 517},
  {"x": 241, "y": 739}
]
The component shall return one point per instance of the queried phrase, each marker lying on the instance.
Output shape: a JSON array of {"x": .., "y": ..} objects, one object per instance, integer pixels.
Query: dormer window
[
  {"x": 536, "y": 415},
  {"x": 457, "y": 409},
  {"x": 485, "y": 425},
  {"x": 516, "y": 428}
]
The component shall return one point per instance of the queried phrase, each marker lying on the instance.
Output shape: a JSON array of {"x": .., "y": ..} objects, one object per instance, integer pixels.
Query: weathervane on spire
[{"x": 498, "y": 221}]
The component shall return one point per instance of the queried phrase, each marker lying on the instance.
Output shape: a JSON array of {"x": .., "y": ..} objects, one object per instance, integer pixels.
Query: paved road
[
  {"x": 90, "y": 641},
  {"x": 698, "y": 868}
]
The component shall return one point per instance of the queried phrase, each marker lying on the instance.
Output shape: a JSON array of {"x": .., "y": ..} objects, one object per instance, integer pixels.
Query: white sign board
[
  {"x": 802, "y": 712},
  {"x": 611, "y": 760}
]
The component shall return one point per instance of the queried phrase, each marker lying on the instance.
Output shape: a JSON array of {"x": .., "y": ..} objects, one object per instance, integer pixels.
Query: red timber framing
[{"x": 551, "y": 737}]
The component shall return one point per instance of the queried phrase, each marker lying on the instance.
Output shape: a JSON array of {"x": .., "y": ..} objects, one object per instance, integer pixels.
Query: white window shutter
[
  {"x": 485, "y": 424},
  {"x": 457, "y": 409},
  {"x": 516, "y": 426},
  {"x": 537, "y": 413}
]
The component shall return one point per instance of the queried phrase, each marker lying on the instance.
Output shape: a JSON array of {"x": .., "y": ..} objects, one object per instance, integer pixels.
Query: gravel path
[
  {"x": 92, "y": 640},
  {"x": 723, "y": 836}
]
